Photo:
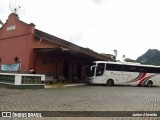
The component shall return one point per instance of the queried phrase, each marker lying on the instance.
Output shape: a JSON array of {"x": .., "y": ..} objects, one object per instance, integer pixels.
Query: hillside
[{"x": 152, "y": 56}]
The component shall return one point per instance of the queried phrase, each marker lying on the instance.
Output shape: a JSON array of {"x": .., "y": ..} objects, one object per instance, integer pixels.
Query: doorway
[
  {"x": 66, "y": 69},
  {"x": 79, "y": 68}
]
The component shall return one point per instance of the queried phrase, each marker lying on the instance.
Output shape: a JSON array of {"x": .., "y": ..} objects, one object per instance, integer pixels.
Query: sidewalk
[{"x": 57, "y": 85}]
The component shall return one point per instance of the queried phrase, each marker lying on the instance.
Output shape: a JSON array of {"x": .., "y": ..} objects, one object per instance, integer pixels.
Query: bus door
[{"x": 100, "y": 71}]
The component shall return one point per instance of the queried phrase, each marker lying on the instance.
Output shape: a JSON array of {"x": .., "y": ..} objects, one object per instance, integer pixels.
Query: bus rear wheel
[
  {"x": 110, "y": 82},
  {"x": 149, "y": 83}
]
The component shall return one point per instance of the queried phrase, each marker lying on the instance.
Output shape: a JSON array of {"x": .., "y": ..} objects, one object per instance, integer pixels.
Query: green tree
[
  {"x": 130, "y": 60},
  {"x": 115, "y": 52}
]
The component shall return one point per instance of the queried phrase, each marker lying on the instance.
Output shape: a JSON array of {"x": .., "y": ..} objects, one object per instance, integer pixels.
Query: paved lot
[{"x": 82, "y": 98}]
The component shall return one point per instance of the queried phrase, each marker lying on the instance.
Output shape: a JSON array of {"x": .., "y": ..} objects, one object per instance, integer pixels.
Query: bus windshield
[{"x": 99, "y": 69}]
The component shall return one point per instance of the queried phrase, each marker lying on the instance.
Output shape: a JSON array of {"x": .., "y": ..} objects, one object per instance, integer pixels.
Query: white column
[
  {"x": 18, "y": 79},
  {"x": 42, "y": 78}
]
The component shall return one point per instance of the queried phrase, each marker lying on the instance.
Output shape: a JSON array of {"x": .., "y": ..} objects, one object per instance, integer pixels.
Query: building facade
[{"x": 46, "y": 53}]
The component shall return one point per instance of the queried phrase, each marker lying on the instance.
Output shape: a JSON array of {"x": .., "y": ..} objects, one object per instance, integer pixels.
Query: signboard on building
[
  {"x": 13, "y": 27},
  {"x": 12, "y": 67}
]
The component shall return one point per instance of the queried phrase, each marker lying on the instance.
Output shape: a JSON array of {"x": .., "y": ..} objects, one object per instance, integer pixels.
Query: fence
[{"x": 22, "y": 80}]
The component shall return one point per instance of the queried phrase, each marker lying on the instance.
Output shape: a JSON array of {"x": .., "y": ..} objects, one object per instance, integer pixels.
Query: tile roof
[{"x": 71, "y": 46}]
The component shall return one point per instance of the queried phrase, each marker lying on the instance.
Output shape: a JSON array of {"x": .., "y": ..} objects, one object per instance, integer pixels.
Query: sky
[{"x": 129, "y": 26}]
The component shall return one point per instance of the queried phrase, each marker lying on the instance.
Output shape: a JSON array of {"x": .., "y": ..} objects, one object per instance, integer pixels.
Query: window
[
  {"x": 44, "y": 62},
  {"x": 100, "y": 69},
  {"x": 132, "y": 68},
  {"x": 114, "y": 67},
  {"x": 109, "y": 67},
  {"x": 153, "y": 70}
]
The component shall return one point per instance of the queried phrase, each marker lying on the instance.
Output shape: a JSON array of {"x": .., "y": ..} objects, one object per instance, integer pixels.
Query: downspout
[{"x": 35, "y": 60}]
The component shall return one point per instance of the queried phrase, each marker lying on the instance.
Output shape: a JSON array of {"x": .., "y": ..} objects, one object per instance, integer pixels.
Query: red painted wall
[
  {"x": 16, "y": 42},
  {"x": 20, "y": 42}
]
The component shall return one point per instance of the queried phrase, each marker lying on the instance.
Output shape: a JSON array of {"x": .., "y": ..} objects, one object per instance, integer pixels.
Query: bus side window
[
  {"x": 156, "y": 70},
  {"x": 142, "y": 69},
  {"x": 149, "y": 70},
  {"x": 108, "y": 66},
  {"x": 118, "y": 67},
  {"x": 132, "y": 68},
  {"x": 124, "y": 68}
]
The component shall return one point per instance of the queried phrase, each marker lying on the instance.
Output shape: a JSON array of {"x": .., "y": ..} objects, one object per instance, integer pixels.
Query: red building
[{"x": 46, "y": 53}]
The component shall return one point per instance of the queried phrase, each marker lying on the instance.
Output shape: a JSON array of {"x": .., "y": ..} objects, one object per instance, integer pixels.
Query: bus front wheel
[
  {"x": 110, "y": 82},
  {"x": 149, "y": 83}
]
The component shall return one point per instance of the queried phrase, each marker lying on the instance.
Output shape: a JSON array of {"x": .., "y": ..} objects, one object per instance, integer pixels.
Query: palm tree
[
  {"x": 124, "y": 57},
  {"x": 115, "y": 53}
]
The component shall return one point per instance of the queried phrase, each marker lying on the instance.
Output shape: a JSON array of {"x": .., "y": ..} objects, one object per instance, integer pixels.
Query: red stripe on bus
[
  {"x": 140, "y": 83},
  {"x": 140, "y": 77},
  {"x": 143, "y": 74}
]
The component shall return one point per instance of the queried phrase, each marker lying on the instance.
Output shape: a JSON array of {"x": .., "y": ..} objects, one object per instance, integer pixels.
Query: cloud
[
  {"x": 77, "y": 37},
  {"x": 4, "y": 8},
  {"x": 98, "y": 1},
  {"x": 102, "y": 25}
]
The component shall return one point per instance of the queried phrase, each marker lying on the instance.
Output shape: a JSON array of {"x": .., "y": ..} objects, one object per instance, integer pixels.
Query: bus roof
[{"x": 126, "y": 63}]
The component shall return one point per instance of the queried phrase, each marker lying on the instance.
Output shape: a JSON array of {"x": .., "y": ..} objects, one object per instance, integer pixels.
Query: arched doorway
[
  {"x": 79, "y": 68},
  {"x": 66, "y": 69}
]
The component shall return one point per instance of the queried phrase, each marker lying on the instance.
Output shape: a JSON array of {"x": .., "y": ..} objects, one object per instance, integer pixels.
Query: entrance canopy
[{"x": 60, "y": 51}]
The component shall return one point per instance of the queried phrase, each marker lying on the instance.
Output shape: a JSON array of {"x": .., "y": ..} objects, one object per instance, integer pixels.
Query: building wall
[
  {"x": 45, "y": 63},
  {"x": 14, "y": 27},
  {"x": 15, "y": 41},
  {"x": 12, "y": 48}
]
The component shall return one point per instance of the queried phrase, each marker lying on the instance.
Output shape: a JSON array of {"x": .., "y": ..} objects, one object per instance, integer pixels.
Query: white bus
[{"x": 123, "y": 73}]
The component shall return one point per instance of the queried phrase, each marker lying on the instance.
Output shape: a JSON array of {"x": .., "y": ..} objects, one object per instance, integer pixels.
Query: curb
[
  {"x": 67, "y": 85},
  {"x": 72, "y": 85}
]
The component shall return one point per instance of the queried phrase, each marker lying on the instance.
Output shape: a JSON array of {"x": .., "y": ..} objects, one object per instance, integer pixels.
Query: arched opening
[
  {"x": 79, "y": 68},
  {"x": 66, "y": 69}
]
